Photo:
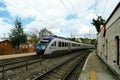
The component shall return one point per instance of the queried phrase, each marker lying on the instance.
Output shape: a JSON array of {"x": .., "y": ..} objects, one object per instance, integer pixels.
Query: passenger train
[{"x": 54, "y": 45}]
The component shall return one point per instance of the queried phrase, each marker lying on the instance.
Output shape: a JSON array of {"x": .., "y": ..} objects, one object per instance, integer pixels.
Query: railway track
[
  {"x": 30, "y": 68},
  {"x": 10, "y": 65},
  {"x": 61, "y": 71}
]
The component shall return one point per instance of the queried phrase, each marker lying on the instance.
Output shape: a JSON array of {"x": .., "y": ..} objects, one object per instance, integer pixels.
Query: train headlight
[{"x": 43, "y": 47}]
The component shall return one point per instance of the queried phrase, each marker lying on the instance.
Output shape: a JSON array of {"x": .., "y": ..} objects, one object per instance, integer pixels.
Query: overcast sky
[{"x": 61, "y": 17}]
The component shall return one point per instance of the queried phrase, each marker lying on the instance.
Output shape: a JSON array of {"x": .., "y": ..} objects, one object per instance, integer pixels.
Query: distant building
[
  {"x": 25, "y": 48},
  {"x": 78, "y": 40},
  {"x": 6, "y": 47},
  {"x": 108, "y": 47}
]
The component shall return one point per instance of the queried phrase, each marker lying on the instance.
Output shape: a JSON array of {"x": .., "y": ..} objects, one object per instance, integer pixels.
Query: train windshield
[{"x": 43, "y": 43}]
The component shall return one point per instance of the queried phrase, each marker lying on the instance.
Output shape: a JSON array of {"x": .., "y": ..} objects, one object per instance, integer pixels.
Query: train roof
[
  {"x": 49, "y": 38},
  {"x": 53, "y": 37}
]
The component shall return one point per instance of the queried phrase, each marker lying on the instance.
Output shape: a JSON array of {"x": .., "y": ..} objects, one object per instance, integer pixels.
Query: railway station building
[{"x": 108, "y": 47}]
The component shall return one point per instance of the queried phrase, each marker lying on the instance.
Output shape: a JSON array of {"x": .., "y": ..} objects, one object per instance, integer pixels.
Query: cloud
[
  {"x": 38, "y": 14},
  {"x": 1, "y": 9},
  {"x": 4, "y": 28}
]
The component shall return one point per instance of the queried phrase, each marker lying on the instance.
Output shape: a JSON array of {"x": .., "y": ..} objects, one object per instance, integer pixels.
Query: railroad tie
[{"x": 93, "y": 75}]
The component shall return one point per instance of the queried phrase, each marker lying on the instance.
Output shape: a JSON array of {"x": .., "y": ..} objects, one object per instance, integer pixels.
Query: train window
[
  {"x": 54, "y": 44},
  {"x": 69, "y": 44},
  {"x": 62, "y": 44},
  {"x": 65, "y": 44},
  {"x": 43, "y": 43},
  {"x": 77, "y": 45},
  {"x": 73, "y": 44},
  {"x": 59, "y": 44}
]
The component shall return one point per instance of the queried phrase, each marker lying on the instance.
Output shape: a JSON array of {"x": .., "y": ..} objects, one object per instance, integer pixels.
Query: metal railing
[{"x": 17, "y": 64}]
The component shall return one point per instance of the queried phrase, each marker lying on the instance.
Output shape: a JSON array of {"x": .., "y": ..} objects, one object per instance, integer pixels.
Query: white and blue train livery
[{"x": 57, "y": 45}]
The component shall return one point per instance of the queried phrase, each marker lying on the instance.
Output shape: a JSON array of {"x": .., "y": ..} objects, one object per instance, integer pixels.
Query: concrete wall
[{"x": 106, "y": 47}]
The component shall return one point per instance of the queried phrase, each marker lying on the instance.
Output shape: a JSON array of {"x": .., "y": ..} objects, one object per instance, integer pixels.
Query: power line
[
  {"x": 19, "y": 9},
  {"x": 69, "y": 11},
  {"x": 94, "y": 11},
  {"x": 37, "y": 9},
  {"x": 65, "y": 6},
  {"x": 74, "y": 11},
  {"x": 27, "y": 13},
  {"x": 72, "y": 6},
  {"x": 104, "y": 7}
]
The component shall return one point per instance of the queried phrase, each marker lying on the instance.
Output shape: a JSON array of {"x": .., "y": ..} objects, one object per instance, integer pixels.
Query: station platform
[
  {"x": 95, "y": 69},
  {"x": 16, "y": 55}
]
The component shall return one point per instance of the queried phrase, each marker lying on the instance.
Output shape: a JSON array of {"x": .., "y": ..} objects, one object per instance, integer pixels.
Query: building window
[
  {"x": 106, "y": 49},
  {"x": 117, "y": 48}
]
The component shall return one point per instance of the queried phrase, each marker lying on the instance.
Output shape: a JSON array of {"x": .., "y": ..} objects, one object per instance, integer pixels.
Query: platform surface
[
  {"x": 16, "y": 55},
  {"x": 95, "y": 69}
]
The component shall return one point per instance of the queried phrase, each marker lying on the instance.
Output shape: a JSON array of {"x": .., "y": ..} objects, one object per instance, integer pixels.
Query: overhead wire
[
  {"x": 76, "y": 23},
  {"x": 76, "y": 12},
  {"x": 68, "y": 10},
  {"x": 27, "y": 13},
  {"x": 72, "y": 6},
  {"x": 19, "y": 9},
  {"x": 94, "y": 10},
  {"x": 37, "y": 9},
  {"x": 104, "y": 7},
  {"x": 65, "y": 6}
]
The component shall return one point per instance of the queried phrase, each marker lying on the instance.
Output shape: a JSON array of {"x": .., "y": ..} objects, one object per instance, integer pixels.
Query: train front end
[{"x": 42, "y": 45}]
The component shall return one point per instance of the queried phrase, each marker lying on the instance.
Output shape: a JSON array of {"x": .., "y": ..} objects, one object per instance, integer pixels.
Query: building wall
[
  {"x": 6, "y": 47},
  {"x": 107, "y": 46},
  {"x": 116, "y": 16},
  {"x": 111, "y": 34}
]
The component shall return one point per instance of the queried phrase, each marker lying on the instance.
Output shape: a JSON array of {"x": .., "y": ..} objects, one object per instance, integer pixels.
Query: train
[{"x": 54, "y": 46}]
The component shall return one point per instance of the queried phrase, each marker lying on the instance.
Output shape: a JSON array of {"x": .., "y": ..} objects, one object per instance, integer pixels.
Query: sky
[{"x": 66, "y": 18}]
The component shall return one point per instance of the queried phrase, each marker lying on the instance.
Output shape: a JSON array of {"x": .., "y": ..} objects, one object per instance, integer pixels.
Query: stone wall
[{"x": 107, "y": 46}]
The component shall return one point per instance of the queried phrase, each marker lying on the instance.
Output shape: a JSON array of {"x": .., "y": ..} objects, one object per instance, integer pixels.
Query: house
[{"x": 6, "y": 47}]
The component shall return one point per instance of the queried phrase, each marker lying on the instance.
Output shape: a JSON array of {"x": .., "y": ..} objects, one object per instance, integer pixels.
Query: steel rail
[
  {"x": 27, "y": 62},
  {"x": 39, "y": 77},
  {"x": 74, "y": 67}
]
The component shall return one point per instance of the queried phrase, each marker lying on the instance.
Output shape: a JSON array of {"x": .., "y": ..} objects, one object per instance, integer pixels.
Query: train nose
[{"x": 39, "y": 51}]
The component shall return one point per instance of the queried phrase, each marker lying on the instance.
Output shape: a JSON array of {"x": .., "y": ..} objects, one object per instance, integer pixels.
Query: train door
[
  {"x": 69, "y": 46},
  {"x": 117, "y": 49}
]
